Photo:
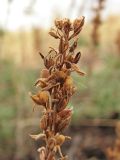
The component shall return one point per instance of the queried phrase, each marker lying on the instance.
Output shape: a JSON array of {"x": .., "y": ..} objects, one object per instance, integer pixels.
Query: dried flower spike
[{"x": 57, "y": 87}]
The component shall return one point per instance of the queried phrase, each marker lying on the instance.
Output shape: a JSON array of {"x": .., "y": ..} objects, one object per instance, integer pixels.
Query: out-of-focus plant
[
  {"x": 56, "y": 87},
  {"x": 118, "y": 41},
  {"x": 113, "y": 153},
  {"x": 97, "y": 22}
]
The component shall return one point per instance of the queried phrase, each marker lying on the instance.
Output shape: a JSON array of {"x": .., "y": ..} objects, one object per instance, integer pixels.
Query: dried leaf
[
  {"x": 76, "y": 68},
  {"x": 59, "y": 24},
  {"x": 37, "y": 136}
]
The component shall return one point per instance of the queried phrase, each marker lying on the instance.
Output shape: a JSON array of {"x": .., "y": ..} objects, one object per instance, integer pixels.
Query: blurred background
[{"x": 24, "y": 27}]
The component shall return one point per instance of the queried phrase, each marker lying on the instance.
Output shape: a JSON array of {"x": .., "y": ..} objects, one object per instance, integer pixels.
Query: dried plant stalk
[
  {"x": 97, "y": 22},
  {"x": 56, "y": 87}
]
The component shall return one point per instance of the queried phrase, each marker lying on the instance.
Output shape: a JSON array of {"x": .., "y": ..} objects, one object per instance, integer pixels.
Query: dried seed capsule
[
  {"x": 62, "y": 104},
  {"x": 65, "y": 114},
  {"x": 58, "y": 76},
  {"x": 61, "y": 46},
  {"x": 53, "y": 34},
  {"x": 59, "y": 139},
  {"x": 42, "y": 98},
  {"x": 77, "y": 57},
  {"x": 66, "y": 26},
  {"x": 43, "y": 122},
  {"x": 78, "y": 23},
  {"x": 41, "y": 82},
  {"x": 59, "y": 24},
  {"x": 73, "y": 47},
  {"x": 68, "y": 83},
  {"x": 62, "y": 124},
  {"x": 44, "y": 73}
]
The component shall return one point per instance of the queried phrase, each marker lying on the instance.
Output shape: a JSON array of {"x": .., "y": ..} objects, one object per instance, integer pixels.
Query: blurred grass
[{"x": 98, "y": 95}]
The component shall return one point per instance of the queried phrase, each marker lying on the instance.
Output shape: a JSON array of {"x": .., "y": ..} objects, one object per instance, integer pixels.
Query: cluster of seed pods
[{"x": 56, "y": 87}]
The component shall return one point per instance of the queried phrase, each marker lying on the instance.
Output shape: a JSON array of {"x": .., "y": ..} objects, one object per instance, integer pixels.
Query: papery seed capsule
[
  {"x": 58, "y": 76},
  {"x": 62, "y": 104},
  {"x": 41, "y": 82},
  {"x": 42, "y": 98},
  {"x": 43, "y": 122},
  {"x": 78, "y": 23},
  {"x": 44, "y": 73},
  {"x": 63, "y": 124},
  {"x": 73, "y": 47},
  {"x": 68, "y": 83},
  {"x": 77, "y": 57},
  {"x": 64, "y": 114},
  {"x": 59, "y": 24},
  {"x": 61, "y": 45},
  {"x": 53, "y": 34},
  {"x": 59, "y": 139},
  {"x": 66, "y": 26}
]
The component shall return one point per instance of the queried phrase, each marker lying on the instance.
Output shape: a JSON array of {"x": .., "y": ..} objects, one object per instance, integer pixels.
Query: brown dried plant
[
  {"x": 97, "y": 22},
  {"x": 56, "y": 87},
  {"x": 113, "y": 153}
]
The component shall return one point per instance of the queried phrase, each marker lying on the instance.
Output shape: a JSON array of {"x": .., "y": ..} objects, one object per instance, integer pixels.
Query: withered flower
[{"x": 56, "y": 87}]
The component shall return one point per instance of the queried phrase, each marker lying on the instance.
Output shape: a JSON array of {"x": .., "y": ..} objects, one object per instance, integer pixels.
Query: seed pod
[
  {"x": 47, "y": 62},
  {"x": 59, "y": 24},
  {"x": 77, "y": 57},
  {"x": 59, "y": 139},
  {"x": 68, "y": 83},
  {"x": 77, "y": 26},
  {"x": 61, "y": 46},
  {"x": 73, "y": 47},
  {"x": 43, "y": 123},
  {"x": 63, "y": 124},
  {"x": 78, "y": 23},
  {"x": 64, "y": 114},
  {"x": 62, "y": 104},
  {"x": 66, "y": 26},
  {"x": 42, "y": 98},
  {"x": 44, "y": 73},
  {"x": 53, "y": 34},
  {"x": 58, "y": 76},
  {"x": 41, "y": 82}
]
